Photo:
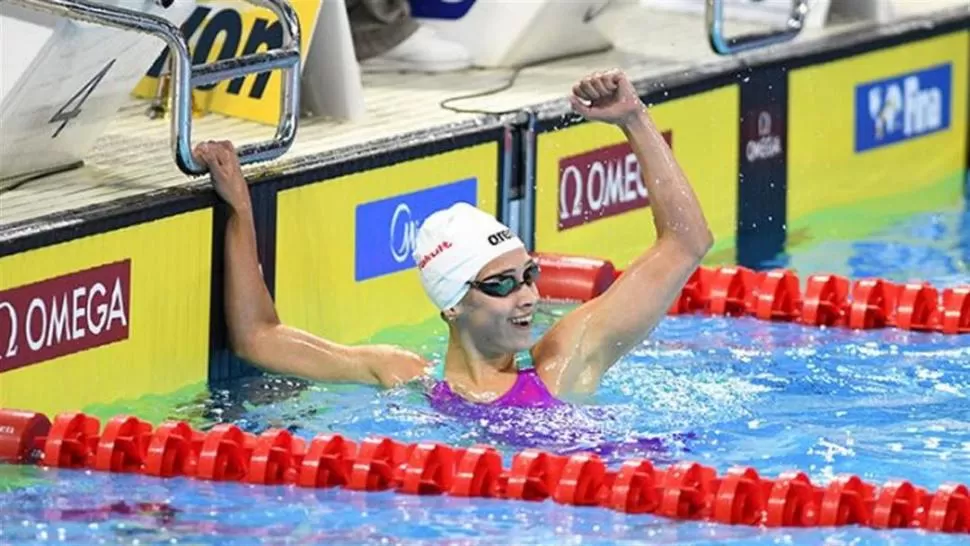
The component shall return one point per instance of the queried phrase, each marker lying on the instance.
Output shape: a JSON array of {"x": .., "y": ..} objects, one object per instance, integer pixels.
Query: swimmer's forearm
[
  {"x": 248, "y": 305},
  {"x": 257, "y": 334},
  {"x": 676, "y": 211}
]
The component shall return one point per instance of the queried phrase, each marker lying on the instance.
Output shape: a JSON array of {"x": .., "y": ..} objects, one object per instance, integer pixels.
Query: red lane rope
[
  {"x": 778, "y": 295},
  {"x": 685, "y": 491}
]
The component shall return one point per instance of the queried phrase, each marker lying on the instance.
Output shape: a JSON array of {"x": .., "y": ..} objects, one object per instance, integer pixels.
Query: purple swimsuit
[
  {"x": 528, "y": 415},
  {"x": 528, "y": 392}
]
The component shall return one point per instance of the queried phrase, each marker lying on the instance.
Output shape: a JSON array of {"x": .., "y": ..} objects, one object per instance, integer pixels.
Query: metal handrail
[
  {"x": 714, "y": 13},
  {"x": 185, "y": 76}
]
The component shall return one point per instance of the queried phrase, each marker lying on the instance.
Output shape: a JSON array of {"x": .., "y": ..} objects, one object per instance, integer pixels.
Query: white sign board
[{"x": 500, "y": 33}]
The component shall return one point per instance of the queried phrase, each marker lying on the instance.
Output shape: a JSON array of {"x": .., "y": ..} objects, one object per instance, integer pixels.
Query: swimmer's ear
[{"x": 449, "y": 315}]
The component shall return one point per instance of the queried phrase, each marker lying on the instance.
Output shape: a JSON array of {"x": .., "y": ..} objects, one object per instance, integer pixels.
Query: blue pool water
[{"x": 881, "y": 404}]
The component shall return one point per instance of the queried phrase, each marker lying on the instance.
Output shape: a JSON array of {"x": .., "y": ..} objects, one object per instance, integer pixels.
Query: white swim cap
[{"x": 453, "y": 245}]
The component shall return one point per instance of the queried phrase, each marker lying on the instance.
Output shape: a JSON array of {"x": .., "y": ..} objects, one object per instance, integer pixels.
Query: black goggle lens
[{"x": 501, "y": 286}]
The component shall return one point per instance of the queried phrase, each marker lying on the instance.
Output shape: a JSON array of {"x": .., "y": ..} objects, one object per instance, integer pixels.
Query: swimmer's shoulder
[{"x": 393, "y": 365}]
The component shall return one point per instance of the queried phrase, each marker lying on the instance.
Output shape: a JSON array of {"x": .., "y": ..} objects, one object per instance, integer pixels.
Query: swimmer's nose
[{"x": 528, "y": 296}]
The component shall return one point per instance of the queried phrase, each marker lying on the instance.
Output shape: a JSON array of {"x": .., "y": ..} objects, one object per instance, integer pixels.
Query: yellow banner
[
  {"x": 108, "y": 317},
  {"x": 220, "y": 30},
  {"x": 890, "y": 122},
  {"x": 590, "y": 197},
  {"x": 344, "y": 268}
]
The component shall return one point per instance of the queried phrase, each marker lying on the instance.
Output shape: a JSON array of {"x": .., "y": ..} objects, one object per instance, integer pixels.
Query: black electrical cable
[{"x": 445, "y": 104}]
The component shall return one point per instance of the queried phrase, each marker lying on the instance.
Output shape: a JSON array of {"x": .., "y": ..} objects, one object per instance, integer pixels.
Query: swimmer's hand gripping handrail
[
  {"x": 185, "y": 76},
  {"x": 714, "y": 13}
]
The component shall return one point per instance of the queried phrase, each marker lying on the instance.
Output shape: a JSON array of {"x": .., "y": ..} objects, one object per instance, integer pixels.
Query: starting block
[
  {"x": 81, "y": 60},
  {"x": 500, "y": 33},
  {"x": 64, "y": 80}
]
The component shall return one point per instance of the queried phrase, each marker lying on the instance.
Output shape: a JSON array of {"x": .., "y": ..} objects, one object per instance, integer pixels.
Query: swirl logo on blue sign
[
  {"x": 440, "y": 9},
  {"x": 386, "y": 230},
  {"x": 903, "y": 107}
]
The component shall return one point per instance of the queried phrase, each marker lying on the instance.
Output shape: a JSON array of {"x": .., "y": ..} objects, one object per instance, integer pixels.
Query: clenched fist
[{"x": 607, "y": 96}]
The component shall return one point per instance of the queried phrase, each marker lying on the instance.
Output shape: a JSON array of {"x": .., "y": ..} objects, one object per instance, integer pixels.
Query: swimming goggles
[{"x": 502, "y": 285}]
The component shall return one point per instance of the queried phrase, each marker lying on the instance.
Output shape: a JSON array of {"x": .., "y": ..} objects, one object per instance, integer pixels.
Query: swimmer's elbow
[
  {"x": 281, "y": 350},
  {"x": 251, "y": 343},
  {"x": 693, "y": 247},
  {"x": 704, "y": 244},
  {"x": 243, "y": 347}
]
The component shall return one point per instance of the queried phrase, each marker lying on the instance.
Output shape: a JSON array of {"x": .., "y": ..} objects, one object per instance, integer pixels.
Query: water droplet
[{"x": 746, "y": 79}]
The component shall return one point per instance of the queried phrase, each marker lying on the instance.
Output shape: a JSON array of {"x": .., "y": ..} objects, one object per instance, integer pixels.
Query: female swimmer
[{"x": 482, "y": 279}]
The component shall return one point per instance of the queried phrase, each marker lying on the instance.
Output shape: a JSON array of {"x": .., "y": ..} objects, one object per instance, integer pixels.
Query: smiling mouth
[{"x": 522, "y": 322}]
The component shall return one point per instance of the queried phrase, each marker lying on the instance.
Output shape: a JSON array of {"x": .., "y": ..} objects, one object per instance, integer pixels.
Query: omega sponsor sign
[
  {"x": 64, "y": 315},
  {"x": 761, "y": 134},
  {"x": 601, "y": 183}
]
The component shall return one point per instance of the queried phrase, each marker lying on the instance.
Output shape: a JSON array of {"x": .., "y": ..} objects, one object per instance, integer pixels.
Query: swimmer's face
[{"x": 502, "y": 323}]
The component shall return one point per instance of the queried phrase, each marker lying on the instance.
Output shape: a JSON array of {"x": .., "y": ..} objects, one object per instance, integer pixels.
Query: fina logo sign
[
  {"x": 402, "y": 233},
  {"x": 386, "y": 230},
  {"x": 903, "y": 108}
]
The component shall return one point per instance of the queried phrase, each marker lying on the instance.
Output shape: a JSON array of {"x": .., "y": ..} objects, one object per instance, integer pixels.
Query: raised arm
[
  {"x": 255, "y": 331},
  {"x": 584, "y": 344}
]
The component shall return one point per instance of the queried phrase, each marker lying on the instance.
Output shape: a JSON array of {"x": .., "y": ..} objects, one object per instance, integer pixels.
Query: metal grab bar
[
  {"x": 714, "y": 13},
  {"x": 185, "y": 76}
]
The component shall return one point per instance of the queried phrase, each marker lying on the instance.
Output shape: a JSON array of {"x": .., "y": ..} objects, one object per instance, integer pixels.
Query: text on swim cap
[
  {"x": 442, "y": 246},
  {"x": 500, "y": 237}
]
